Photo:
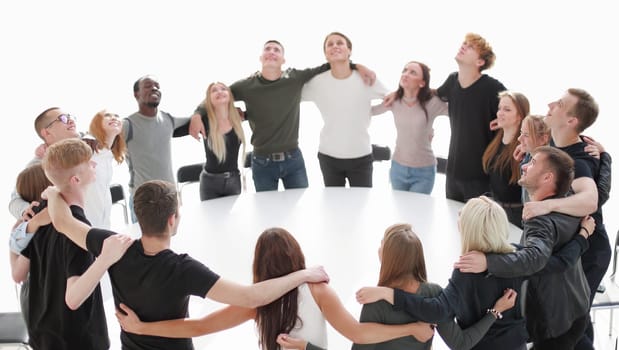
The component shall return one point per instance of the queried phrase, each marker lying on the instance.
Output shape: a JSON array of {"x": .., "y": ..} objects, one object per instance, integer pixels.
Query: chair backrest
[
  {"x": 380, "y": 153},
  {"x": 441, "y": 165},
  {"x": 13, "y": 329},
  {"x": 189, "y": 173},
  {"x": 118, "y": 193}
]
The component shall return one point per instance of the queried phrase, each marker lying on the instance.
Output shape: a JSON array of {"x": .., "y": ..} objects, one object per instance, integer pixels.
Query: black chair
[
  {"x": 380, "y": 153},
  {"x": 441, "y": 165},
  {"x": 118, "y": 197},
  {"x": 13, "y": 330},
  {"x": 608, "y": 297},
  {"x": 186, "y": 175}
]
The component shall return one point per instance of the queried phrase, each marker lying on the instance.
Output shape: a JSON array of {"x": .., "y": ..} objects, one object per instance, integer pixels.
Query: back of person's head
[
  {"x": 586, "y": 109},
  {"x": 154, "y": 202},
  {"x": 484, "y": 227},
  {"x": 348, "y": 42},
  {"x": 31, "y": 182},
  {"x": 40, "y": 122},
  {"x": 277, "y": 254},
  {"x": 560, "y": 164},
  {"x": 273, "y": 41},
  {"x": 96, "y": 129},
  {"x": 62, "y": 159},
  {"x": 538, "y": 130},
  {"x": 401, "y": 257},
  {"x": 215, "y": 139},
  {"x": 483, "y": 48}
]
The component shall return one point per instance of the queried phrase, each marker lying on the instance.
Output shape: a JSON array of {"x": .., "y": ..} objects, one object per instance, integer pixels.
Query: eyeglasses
[{"x": 63, "y": 118}]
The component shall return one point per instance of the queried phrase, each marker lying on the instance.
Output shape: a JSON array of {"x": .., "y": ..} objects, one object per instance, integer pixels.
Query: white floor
[{"x": 244, "y": 335}]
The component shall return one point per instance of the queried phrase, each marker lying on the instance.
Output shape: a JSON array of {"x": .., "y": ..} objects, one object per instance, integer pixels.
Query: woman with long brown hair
[{"x": 498, "y": 161}]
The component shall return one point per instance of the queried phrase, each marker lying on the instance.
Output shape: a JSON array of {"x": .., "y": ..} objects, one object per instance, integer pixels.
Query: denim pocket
[{"x": 259, "y": 161}]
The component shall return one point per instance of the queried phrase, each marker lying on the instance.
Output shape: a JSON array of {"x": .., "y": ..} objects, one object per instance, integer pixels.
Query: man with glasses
[{"x": 52, "y": 125}]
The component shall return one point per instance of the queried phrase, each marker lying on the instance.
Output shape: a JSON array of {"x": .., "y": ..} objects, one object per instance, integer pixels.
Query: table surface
[{"x": 339, "y": 228}]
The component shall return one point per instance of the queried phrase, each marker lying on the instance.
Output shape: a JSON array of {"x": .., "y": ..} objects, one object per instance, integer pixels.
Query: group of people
[{"x": 505, "y": 164}]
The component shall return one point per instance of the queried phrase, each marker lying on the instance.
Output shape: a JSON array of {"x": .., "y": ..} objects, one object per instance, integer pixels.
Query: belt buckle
[{"x": 278, "y": 157}]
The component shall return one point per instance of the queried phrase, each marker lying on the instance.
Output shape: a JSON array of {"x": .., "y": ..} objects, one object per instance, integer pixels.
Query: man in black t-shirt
[
  {"x": 567, "y": 118},
  {"x": 473, "y": 100},
  {"x": 57, "y": 320},
  {"x": 156, "y": 282}
]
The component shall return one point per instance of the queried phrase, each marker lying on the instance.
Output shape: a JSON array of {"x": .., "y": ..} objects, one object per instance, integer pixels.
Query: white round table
[{"x": 339, "y": 228}]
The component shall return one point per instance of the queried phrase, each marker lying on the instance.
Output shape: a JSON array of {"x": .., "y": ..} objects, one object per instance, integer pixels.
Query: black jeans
[
  {"x": 463, "y": 190},
  {"x": 335, "y": 171},
  {"x": 565, "y": 341},
  {"x": 219, "y": 185}
]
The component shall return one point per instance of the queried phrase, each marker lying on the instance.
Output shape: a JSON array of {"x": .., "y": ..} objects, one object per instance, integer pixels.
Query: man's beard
[{"x": 153, "y": 104}]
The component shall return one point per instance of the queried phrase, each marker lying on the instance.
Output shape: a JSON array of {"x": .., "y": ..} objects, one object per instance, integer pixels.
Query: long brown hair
[
  {"x": 277, "y": 254},
  {"x": 216, "y": 140},
  {"x": 31, "y": 182},
  {"x": 118, "y": 146},
  {"x": 402, "y": 257},
  {"x": 425, "y": 93},
  {"x": 504, "y": 161}
]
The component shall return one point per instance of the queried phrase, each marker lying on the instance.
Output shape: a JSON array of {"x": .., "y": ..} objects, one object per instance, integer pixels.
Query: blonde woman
[
  {"x": 222, "y": 122},
  {"x": 106, "y": 129},
  {"x": 469, "y": 297}
]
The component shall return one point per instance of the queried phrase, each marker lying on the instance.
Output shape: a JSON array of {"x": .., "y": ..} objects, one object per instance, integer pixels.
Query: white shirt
[
  {"x": 345, "y": 105},
  {"x": 98, "y": 199},
  {"x": 311, "y": 325}
]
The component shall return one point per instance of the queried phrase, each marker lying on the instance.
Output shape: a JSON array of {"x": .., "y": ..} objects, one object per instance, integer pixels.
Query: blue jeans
[
  {"x": 288, "y": 166},
  {"x": 410, "y": 179}
]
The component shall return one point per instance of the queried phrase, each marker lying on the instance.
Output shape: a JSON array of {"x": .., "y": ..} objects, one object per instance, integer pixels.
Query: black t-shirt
[
  {"x": 470, "y": 113},
  {"x": 52, "y": 325},
  {"x": 156, "y": 287}
]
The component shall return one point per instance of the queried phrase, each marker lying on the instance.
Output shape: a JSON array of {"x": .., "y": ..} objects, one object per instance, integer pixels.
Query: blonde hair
[
  {"x": 118, "y": 146},
  {"x": 61, "y": 159},
  {"x": 537, "y": 129},
  {"x": 216, "y": 141},
  {"x": 402, "y": 257},
  {"x": 484, "y": 227},
  {"x": 483, "y": 48}
]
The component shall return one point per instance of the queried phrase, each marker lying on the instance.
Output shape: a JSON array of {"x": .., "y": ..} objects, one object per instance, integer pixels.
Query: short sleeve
[
  {"x": 197, "y": 278},
  {"x": 95, "y": 238}
]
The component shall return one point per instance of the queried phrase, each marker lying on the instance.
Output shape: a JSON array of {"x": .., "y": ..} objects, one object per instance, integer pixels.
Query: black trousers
[
  {"x": 565, "y": 341},
  {"x": 219, "y": 185},
  {"x": 463, "y": 190},
  {"x": 335, "y": 171}
]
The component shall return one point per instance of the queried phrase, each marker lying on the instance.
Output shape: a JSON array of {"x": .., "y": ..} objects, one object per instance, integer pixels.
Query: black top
[
  {"x": 470, "y": 113},
  {"x": 467, "y": 297},
  {"x": 52, "y": 325},
  {"x": 502, "y": 190},
  {"x": 233, "y": 144},
  {"x": 155, "y": 287}
]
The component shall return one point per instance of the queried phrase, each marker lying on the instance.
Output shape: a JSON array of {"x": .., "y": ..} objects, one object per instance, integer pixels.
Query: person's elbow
[{"x": 72, "y": 303}]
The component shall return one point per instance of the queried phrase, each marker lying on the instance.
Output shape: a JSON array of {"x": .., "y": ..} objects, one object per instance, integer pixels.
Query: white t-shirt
[
  {"x": 311, "y": 325},
  {"x": 345, "y": 105}
]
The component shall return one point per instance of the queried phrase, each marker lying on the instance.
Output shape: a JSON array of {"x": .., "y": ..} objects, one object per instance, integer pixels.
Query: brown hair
[
  {"x": 483, "y": 48},
  {"x": 31, "y": 182},
  {"x": 348, "y": 42},
  {"x": 586, "y": 109},
  {"x": 425, "y": 93},
  {"x": 277, "y": 254},
  {"x": 561, "y": 165},
  {"x": 118, "y": 146},
  {"x": 537, "y": 129},
  {"x": 62, "y": 157},
  {"x": 154, "y": 202},
  {"x": 504, "y": 162},
  {"x": 402, "y": 257}
]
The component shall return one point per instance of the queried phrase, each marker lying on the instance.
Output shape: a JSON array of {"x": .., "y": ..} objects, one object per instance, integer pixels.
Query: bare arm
[
  {"x": 79, "y": 288},
  {"x": 63, "y": 220},
  {"x": 219, "y": 320},
  {"x": 264, "y": 292},
  {"x": 583, "y": 202},
  {"x": 20, "y": 266},
  {"x": 363, "y": 332}
]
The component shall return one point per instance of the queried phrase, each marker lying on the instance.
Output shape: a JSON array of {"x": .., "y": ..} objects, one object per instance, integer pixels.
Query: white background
[{"x": 84, "y": 56}]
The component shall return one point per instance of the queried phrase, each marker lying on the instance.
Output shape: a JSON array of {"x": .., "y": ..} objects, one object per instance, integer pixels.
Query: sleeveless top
[{"x": 311, "y": 324}]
